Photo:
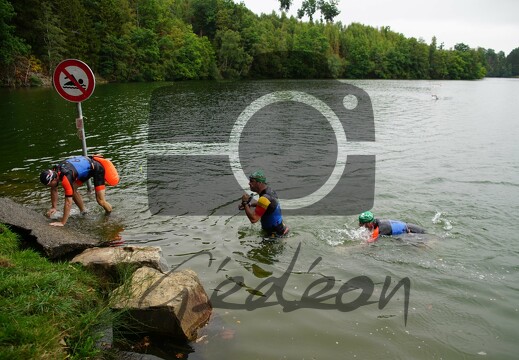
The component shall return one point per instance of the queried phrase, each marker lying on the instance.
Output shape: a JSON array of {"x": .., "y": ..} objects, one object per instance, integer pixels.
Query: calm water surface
[{"x": 450, "y": 165}]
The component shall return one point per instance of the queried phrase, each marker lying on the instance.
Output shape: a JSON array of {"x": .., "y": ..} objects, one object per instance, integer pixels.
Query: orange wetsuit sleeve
[
  {"x": 374, "y": 235},
  {"x": 67, "y": 186}
]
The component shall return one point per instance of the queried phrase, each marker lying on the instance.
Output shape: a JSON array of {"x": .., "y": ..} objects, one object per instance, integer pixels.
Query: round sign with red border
[{"x": 74, "y": 80}]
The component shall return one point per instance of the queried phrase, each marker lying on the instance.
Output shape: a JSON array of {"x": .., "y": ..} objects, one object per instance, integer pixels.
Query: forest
[{"x": 171, "y": 40}]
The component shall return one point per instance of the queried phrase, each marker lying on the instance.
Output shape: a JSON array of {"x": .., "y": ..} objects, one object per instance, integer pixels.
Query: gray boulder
[{"x": 173, "y": 305}]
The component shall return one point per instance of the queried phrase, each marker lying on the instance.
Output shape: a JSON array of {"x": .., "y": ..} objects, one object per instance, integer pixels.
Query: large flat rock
[
  {"x": 55, "y": 242},
  {"x": 108, "y": 258}
]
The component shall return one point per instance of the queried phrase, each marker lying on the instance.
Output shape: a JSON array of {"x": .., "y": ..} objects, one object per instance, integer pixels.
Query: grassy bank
[{"x": 47, "y": 310}]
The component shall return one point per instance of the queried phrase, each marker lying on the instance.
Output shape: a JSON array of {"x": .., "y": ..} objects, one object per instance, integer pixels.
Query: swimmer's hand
[
  {"x": 58, "y": 224},
  {"x": 245, "y": 198},
  {"x": 50, "y": 212}
]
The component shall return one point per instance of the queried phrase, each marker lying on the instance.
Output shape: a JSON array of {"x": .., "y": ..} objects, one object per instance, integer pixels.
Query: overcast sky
[{"x": 491, "y": 24}]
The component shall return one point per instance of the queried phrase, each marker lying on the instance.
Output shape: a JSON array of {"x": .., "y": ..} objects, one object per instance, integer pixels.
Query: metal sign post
[{"x": 75, "y": 82}]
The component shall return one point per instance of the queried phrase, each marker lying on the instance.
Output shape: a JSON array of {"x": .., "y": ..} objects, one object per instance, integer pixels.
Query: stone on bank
[
  {"x": 169, "y": 304},
  {"x": 173, "y": 304},
  {"x": 107, "y": 259}
]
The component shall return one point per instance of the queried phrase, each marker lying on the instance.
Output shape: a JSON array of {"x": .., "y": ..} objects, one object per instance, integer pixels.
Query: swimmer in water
[
  {"x": 266, "y": 208},
  {"x": 386, "y": 227}
]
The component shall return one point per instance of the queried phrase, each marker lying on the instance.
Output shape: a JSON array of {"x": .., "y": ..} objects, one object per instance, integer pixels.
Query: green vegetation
[
  {"x": 153, "y": 40},
  {"x": 47, "y": 310}
]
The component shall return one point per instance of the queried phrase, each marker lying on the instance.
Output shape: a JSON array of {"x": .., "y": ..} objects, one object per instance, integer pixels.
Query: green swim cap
[
  {"x": 366, "y": 217},
  {"x": 259, "y": 176}
]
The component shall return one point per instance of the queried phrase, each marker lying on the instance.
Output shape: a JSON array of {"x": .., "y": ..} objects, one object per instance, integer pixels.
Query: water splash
[
  {"x": 441, "y": 220},
  {"x": 59, "y": 214},
  {"x": 337, "y": 237}
]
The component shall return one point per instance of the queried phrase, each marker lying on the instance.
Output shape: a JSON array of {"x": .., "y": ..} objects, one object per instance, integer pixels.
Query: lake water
[{"x": 450, "y": 165}]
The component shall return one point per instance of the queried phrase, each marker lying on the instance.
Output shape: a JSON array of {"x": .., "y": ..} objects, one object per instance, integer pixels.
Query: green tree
[
  {"x": 72, "y": 19},
  {"x": 329, "y": 10},
  {"x": 418, "y": 59},
  {"x": 27, "y": 13},
  {"x": 439, "y": 65},
  {"x": 203, "y": 17},
  {"x": 308, "y": 8},
  {"x": 513, "y": 61},
  {"x": 356, "y": 47},
  {"x": 112, "y": 21},
  {"x": 12, "y": 46},
  {"x": 116, "y": 58},
  {"x": 54, "y": 39},
  {"x": 187, "y": 56},
  {"x": 145, "y": 63},
  {"x": 311, "y": 39},
  {"x": 233, "y": 60},
  {"x": 466, "y": 63},
  {"x": 503, "y": 69},
  {"x": 284, "y": 5}
]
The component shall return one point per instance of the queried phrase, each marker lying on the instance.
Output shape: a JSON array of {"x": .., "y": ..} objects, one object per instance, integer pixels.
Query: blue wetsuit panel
[
  {"x": 82, "y": 165},
  {"x": 270, "y": 220},
  {"x": 398, "y": 227}
]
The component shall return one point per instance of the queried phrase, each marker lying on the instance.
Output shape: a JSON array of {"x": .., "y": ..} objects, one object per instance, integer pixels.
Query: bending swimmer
[{"x": 72, "y": 173}]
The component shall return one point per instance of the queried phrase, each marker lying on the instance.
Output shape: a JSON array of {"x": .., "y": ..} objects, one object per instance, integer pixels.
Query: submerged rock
[{"x": 172, "y": 305}]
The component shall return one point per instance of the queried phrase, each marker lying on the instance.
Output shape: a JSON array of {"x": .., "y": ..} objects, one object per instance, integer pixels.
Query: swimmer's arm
[
  {"x": 53, "y": 200},
  {"x": 374, "y": 236},
  {"x": 251, "y": 214},
  {"x": 66, "y": 213}
]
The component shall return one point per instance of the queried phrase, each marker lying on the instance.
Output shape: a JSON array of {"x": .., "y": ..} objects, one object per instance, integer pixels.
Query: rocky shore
[{"x": 170, "y": 304}]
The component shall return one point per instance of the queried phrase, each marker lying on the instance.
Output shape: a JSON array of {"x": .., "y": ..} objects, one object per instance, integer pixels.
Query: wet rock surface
[{"x": 54, "y": 242}]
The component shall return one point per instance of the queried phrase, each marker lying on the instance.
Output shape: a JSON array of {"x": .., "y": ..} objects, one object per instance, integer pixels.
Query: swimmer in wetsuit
[
  {"x": 267, "y": 207},
  {"x": 386, "y": 227},
  {"x": 72, "y": 173}
]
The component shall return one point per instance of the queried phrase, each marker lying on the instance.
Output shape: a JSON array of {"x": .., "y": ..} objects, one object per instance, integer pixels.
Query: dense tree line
[{"x": 153, "y": 40}]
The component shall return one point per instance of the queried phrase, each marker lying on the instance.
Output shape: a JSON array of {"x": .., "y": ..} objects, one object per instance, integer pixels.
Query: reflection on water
[{"x": 448, "y": 165}]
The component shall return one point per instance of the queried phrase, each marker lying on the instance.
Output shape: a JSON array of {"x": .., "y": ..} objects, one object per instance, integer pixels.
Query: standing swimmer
[{"x": 267, "y": 207}]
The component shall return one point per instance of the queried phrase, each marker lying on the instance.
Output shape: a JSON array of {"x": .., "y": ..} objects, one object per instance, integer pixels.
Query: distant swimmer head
[
  {"x": 47, "y": 176},
  {"x": 258, "y": 176},
  {"x": 366, "y": 217}
]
